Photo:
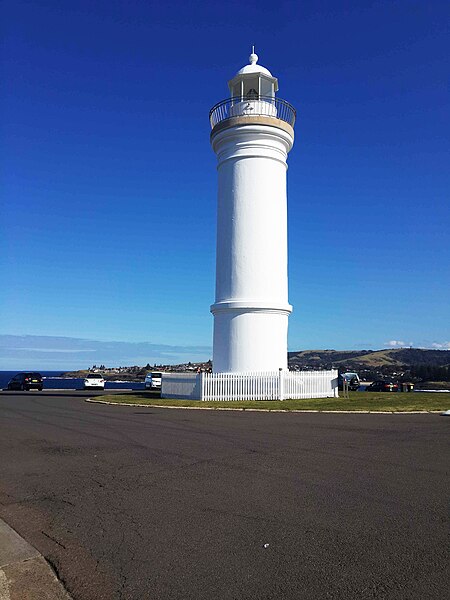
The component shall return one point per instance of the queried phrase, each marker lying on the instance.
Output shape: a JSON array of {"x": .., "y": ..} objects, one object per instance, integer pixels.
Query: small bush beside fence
[{"x": 274, "y": 385}]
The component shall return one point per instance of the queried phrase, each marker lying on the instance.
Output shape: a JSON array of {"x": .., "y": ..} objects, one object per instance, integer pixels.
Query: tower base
[{"x": 249, "y": 338}]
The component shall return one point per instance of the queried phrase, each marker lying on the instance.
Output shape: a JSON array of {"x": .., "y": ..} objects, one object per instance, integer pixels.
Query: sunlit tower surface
[{"x": 252, "y": 134}]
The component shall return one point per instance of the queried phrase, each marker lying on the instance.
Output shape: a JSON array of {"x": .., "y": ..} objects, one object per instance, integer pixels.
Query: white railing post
[
  {"x": 335, "y": 376},
  {"x": 280, "y": 384},
  {"x": 202, "y": 385}
]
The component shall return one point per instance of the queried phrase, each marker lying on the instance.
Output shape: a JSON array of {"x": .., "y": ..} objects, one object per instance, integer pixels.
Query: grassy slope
[
  {"x": 396, "y": 357},
  {"x": 366, "y": 401},
  {"x": 380, "y": 359}
]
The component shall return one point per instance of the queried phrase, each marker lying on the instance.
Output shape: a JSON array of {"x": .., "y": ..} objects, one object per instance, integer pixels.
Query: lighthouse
[{"x": 252, "y": 134}]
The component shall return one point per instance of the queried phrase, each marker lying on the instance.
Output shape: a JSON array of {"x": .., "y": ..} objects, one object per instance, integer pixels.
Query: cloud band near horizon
[{"x": 51, "y": 352}]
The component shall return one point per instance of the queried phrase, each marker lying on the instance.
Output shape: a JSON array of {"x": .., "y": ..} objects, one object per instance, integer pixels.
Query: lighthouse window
[{"x": 267, "y": 87}]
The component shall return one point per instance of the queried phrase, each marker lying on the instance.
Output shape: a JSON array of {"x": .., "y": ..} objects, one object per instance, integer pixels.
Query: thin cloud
[
  {"x": 396, "y": 344},
  {"x": 441, "y": 345},
  {"x": 18, "y": 352}
]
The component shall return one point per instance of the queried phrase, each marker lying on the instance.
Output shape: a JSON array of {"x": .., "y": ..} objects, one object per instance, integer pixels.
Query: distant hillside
[
  {"x": 401, "y": 363},
  {"x": 371, "y": 361}
]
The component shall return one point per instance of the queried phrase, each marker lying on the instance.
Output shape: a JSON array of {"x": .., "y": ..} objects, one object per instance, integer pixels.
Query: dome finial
[{"x": 253, "y": 58}]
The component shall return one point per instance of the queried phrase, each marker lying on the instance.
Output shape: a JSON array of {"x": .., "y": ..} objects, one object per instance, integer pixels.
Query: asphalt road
[{"x": 143, "y": 503}]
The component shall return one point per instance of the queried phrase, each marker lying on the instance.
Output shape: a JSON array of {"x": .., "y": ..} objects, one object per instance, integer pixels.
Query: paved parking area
[{"x": 138, "y": 503}]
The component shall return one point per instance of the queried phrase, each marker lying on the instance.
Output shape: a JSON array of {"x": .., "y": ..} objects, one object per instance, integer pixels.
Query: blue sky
[{"x": 109, "y": 183}]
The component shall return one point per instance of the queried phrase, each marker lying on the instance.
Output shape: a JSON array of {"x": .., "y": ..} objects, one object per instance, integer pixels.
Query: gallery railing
[{"x": 264, "y": 106}]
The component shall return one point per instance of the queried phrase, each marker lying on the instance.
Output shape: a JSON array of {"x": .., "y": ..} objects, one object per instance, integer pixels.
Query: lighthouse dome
[{"x": 253, "y": 67}]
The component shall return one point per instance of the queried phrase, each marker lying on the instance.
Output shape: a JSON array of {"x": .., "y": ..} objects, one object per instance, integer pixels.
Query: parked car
[
  {"x": 351, "y": 378},
  {"x": 153, "y": 381},
  {"x": 26, "y": 382},
  {"x": 94, "y": 381},
  {"x": 382, "y": 386}
]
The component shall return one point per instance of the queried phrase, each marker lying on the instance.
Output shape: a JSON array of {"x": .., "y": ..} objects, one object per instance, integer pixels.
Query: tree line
[{"x": 430, "y": 373}]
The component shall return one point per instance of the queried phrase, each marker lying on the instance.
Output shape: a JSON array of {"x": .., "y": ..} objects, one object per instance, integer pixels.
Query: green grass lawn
[{"x": 364, "y": 401}]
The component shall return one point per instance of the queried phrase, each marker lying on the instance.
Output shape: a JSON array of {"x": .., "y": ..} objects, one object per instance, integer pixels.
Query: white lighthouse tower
[{"x": 252, "y": 133}]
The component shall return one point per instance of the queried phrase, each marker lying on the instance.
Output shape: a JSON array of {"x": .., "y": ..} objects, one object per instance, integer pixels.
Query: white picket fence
[
  {"x": 278, "y": 385},
  {"x": 310, "y": 384},
  {"x": 240, "y": 386}
]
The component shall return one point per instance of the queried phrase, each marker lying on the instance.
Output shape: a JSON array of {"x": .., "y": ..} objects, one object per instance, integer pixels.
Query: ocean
[{"x": 54, "y": 381}]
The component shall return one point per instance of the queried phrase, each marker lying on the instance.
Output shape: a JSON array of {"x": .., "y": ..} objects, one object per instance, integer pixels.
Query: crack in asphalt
[{"x": 53, "y": 540}]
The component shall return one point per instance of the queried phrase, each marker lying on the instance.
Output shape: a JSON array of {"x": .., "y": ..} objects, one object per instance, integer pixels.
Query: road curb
[
  {"x": 272, "y": 410},
  {"x": 24, "y": 572}
]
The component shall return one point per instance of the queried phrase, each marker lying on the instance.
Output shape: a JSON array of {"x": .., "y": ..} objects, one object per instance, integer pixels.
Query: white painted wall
[
  {"x": 253, "y": 107},
  {"x": 181, "y": 386},
  {"x": 251, "y": 308}
]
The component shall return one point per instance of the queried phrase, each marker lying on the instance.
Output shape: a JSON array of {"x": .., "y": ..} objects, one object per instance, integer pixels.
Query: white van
[
  {"x": 153, "y": 381},
  {"x": 352, "y": 379}
]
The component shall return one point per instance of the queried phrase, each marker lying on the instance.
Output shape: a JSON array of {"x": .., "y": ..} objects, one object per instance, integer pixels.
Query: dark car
[
  {"x": 382, "y": 386},
  {"x": 26, "y": 382}
]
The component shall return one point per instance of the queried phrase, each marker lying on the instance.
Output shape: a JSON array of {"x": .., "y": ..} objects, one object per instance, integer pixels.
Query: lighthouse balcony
[{"x": 259, "y": 106}]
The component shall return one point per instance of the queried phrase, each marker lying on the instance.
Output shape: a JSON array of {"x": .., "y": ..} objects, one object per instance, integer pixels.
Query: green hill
[{"x": 371, "y": 363}]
